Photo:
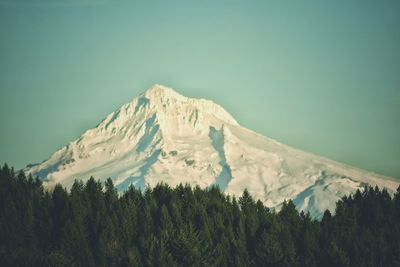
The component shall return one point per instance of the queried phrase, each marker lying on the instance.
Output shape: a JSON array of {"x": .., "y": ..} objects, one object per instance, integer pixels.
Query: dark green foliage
[{"x": 94, "y": 226}]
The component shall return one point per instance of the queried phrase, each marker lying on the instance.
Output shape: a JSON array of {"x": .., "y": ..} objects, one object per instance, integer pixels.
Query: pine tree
[
  {"x": 92, "y": 226},
  {"x": 60, "y": 213}
]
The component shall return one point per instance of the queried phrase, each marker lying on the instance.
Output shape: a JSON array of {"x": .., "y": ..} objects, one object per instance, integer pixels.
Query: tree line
[{"x": 92, "y": 225}]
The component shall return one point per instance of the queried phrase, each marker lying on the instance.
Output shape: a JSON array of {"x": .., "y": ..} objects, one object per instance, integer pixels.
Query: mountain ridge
[{"x": 162, "y": 136}]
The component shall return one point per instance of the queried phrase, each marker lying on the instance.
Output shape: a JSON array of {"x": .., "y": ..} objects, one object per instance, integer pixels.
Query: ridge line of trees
[{"x": 92, "y": 225}]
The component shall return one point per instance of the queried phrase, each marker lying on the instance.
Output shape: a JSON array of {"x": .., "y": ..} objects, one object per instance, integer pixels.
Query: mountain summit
[{"x": 162, "y": 136}]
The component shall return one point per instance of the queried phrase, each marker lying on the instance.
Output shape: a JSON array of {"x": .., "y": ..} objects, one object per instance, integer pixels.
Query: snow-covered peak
[
  {"x": 162, "y": 136},
  {"x": 172, "y": 113},
  {"x": 172, "y": 107},
  {"x": 162, "y": 93}
]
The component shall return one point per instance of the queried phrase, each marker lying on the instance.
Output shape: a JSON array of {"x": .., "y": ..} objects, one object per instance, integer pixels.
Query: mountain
[{"x": 164, "y": 136}]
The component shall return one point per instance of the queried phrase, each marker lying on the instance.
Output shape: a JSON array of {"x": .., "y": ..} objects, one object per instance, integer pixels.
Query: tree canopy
[{"x": 92, "y": 225}]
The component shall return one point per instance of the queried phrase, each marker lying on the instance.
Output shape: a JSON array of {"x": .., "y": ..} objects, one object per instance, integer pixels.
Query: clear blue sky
[{"x": 323, "y": 76}]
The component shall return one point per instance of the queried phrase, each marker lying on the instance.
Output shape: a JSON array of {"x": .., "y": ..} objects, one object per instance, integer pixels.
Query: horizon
[{"x": 323, "y": 78}]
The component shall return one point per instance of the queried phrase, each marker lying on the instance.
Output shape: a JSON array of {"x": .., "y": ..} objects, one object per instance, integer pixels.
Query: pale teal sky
[{"x": 323, "y": 76}]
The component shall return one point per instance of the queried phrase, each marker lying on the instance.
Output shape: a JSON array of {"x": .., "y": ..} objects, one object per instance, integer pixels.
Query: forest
[{"x": 93, "y": 225}]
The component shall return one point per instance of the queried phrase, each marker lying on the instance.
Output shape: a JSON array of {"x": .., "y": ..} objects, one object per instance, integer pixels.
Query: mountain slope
[{"x": 164, "y": 136}]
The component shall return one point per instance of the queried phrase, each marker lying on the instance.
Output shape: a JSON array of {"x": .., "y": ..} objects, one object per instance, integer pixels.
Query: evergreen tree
[{"x": 95, "y": 226}]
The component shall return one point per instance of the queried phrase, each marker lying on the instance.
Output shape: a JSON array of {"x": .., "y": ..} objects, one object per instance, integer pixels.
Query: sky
[{"x": 322, "y": 76}]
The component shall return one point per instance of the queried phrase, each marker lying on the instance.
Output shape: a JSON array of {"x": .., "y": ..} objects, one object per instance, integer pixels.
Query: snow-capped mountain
[{"x": 164, "y": 136}]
